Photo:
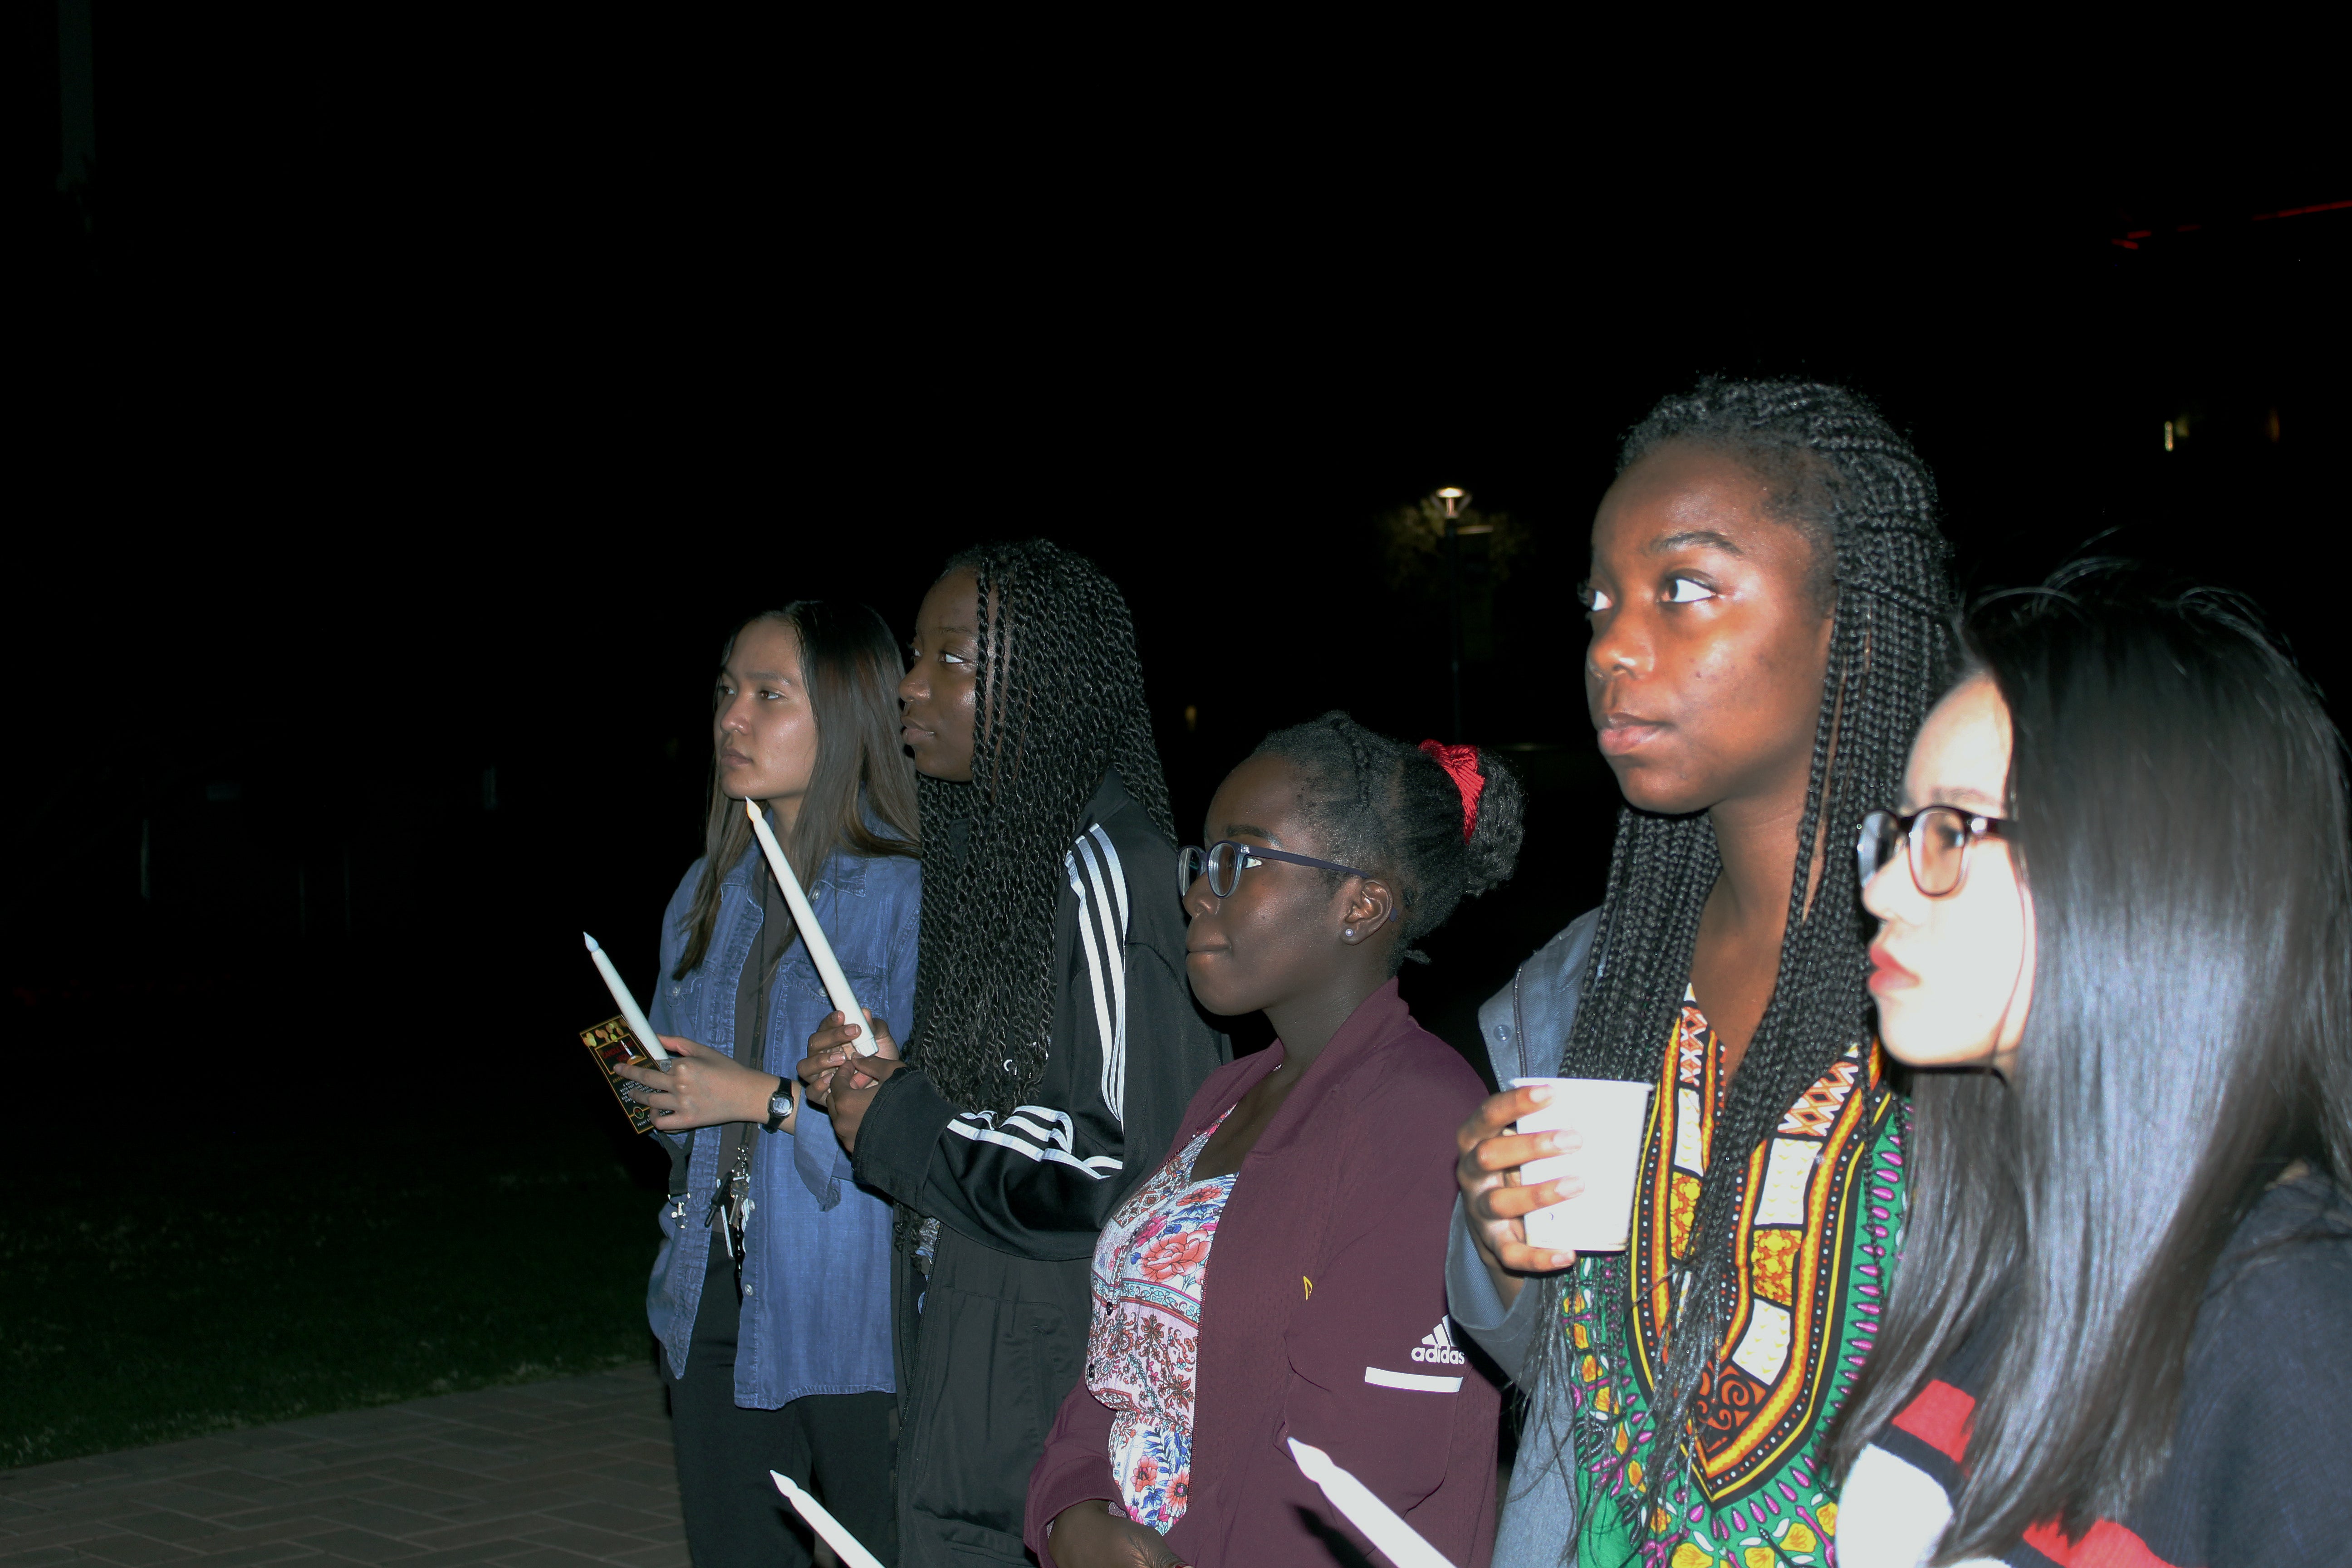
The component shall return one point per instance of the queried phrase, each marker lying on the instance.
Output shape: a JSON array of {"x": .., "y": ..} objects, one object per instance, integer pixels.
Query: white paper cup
[{"x": 1610, "y": 1115}]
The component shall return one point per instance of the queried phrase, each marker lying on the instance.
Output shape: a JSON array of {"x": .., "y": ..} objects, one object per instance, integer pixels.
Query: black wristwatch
[{"x": 780, "y": 1105}]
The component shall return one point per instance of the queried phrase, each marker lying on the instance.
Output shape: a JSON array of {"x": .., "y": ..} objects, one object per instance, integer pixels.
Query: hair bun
[
  {"x": 1461, "y": 765},
  {"x": 1499, "y": 829}
]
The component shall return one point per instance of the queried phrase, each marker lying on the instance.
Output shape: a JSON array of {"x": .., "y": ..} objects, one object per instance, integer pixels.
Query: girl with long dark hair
[
  {"x": 2115, "y": 908},
  {"x": 1282, "y": 1275},
  {"x": 1769, "y": 621},
  {"x": 770, "y": 1296},
  {"x": 1054, "y": 1046}
]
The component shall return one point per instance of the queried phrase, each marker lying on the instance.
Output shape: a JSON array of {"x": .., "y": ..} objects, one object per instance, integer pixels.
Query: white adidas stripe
[
  {"x": 1039, "y": 1131},
  {"x": 1421, "y": 1382},
  {"x": 1104, "y": 940},
  {"x": 1115, "y": 1058}
]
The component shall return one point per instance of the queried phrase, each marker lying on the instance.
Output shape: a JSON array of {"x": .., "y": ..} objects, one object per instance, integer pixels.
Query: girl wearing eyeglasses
[
  {"x": 2113, "y": 911},
  {"x": 1282, "y": 1276},
  {"x": 1768, "y": 615}
]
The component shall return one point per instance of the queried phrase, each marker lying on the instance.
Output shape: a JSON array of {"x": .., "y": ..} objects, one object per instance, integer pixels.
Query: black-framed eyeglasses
[
  {"x": 1940, "y": 838},
  {"x": 1224, "y": 861}
]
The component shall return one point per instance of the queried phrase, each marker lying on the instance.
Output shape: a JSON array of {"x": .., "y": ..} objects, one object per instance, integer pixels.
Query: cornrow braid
[
  {"x": 1839, "y": 472},
  {"x": 1059, "y": 704},
  {"x": 1389, "y": 808}
]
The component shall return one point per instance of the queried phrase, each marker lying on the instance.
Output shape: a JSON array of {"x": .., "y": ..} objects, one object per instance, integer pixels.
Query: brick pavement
[{"x": 551, "y": 1475}]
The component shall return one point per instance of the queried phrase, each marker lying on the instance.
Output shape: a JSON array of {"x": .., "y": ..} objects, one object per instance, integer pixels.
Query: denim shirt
[
  {"x": 1524, "y": 1026},
  {"x": 816, "y": 1271}
]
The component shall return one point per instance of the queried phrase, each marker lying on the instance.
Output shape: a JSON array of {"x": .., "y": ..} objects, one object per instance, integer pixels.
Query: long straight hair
[
  {"x": 851, "y": 665},
  {"x": 2178, "y": 798}
]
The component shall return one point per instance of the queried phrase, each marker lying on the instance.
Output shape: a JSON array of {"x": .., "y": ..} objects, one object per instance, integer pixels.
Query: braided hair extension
[
  {"x": 1389, "y": 808},
  {"x": 1840, "y": 474},
  {"x": 1059, "y": 703}
]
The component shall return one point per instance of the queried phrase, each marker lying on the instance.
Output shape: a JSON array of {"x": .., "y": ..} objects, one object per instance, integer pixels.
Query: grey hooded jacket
[{"x": 1524, "y": 1026}]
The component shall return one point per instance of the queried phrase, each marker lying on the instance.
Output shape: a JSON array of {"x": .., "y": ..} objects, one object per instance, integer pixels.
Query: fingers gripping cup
[{"x": 1611, "y": 1115}]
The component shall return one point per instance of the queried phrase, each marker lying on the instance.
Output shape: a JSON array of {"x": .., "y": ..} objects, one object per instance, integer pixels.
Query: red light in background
[{"x": 2298, "y": 211}]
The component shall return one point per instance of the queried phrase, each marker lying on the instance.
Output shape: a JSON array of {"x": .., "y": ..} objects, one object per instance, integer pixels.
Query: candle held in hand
[
  {"x": 627, "y": 1004},
  {"x": 828, "y": 968},
  {"x": 844, "y": 1545},
  {"x": 1380, "y": 1523}
]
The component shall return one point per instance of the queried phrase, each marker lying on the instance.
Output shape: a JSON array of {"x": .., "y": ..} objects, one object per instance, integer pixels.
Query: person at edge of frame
[
  {"x": 1054, "y": 1045},
  {"x": 772, "y": 1307},
  {"x": 1770, "y": 619},
  {"x": 1314, "y": 1180},
  {"x": 2112, "y": 945}
]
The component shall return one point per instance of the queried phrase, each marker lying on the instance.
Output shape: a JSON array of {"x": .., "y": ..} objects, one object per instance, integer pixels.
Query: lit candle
[
  {"x": 828, "y": 968},
  {"x": 1380, "y": 1523},
  {"x": 844, "y": 1545},
  {"x": 629, "y": 1012}
]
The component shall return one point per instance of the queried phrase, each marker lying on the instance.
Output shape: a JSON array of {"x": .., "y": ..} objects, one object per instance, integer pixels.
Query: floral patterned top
[{"x": 1143, "y": 1347}]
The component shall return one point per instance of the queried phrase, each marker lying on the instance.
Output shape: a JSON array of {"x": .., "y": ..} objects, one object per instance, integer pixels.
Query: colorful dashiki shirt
[
  {"x": 1821, "y": 1216},
  {"x": 1144, "y": 1345}
]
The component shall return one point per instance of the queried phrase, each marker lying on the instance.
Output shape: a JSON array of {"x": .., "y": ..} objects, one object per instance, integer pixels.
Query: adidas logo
[{"x": 1437, "y": 1345}]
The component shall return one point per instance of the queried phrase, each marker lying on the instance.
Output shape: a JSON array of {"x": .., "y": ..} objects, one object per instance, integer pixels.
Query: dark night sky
[{"x": 418, "y": 405}]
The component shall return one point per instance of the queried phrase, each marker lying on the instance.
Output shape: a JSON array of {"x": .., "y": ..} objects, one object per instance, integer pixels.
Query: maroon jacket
[{"x": 1329, "y": 1264}]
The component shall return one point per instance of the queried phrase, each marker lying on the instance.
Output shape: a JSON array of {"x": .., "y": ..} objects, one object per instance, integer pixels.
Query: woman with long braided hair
[
  {"x": 1770, "y": 622},
  {"x": 1054, "y": 1045}
]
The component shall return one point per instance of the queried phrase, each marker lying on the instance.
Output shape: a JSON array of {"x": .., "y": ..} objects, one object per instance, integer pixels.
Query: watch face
[{"x": 781, "y": 1104}]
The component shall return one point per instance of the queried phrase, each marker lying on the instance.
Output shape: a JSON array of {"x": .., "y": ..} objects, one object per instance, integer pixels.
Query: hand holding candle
[
  {"x": 1380, "y": 1523},
  {"x": 820, "y": 1519},
  {"x": 828, "y": 968}
]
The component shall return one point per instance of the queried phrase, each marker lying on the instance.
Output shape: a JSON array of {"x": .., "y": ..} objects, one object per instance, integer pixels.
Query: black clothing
[
  {"x": 2255, "y": 1479},
  {"x": 740, "y": 1141},
  {"x": 988, "y": 1346},
  {"x": 837, "y": 1445}
]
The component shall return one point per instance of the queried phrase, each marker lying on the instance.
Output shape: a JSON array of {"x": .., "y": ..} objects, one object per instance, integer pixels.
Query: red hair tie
[{"x": 1461, "y": 765}]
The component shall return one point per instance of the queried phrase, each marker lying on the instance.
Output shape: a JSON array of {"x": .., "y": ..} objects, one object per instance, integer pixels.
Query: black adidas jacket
[{"x": 995, "y": 1335}]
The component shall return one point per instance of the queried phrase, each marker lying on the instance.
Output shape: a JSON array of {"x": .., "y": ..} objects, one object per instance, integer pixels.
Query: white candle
[
  {"x": 828, "y": 968},
  {"x": 628, "y": 1004},
  {"x": 844, "y": 1545},
  {"x": 1380, "y": 1523}
]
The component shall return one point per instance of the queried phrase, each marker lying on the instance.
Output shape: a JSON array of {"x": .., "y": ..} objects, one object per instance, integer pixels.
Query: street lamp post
[{"x": 1454, "y": 498}]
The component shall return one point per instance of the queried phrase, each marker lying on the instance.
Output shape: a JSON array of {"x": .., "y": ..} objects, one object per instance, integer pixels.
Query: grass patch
[{"x": 270, "y": 1279}]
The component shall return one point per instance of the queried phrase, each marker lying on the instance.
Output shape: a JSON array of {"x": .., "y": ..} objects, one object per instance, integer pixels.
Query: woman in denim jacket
[{"x": 771, "y": 1294}]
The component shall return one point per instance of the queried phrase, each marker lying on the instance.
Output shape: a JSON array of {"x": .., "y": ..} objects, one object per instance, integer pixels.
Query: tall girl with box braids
[
  {"x": 1770, "y": 622},
  {"x": 1053, "y": 1045},
  {"x": 1060, "y": 702}
]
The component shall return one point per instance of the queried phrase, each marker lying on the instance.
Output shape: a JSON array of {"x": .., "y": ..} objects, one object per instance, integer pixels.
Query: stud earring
[{"x": 1350, "y": 933}]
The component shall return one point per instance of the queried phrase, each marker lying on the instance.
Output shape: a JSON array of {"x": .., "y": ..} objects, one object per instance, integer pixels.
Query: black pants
[
  {"x": 837, "y": 1445},
  {"x": 999, "y": 1341}
]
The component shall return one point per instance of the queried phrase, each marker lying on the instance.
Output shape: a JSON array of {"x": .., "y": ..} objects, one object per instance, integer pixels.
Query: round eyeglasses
[
  {"x": 1939, "y": 838},
  {"x": 1226, "y": 861}
]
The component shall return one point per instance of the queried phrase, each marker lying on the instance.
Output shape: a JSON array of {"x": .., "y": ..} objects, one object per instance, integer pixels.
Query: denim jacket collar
[{"x": 843, "y": 874}]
